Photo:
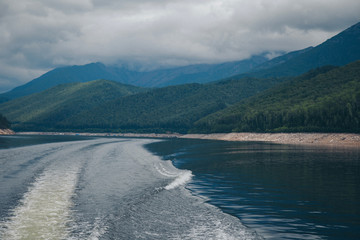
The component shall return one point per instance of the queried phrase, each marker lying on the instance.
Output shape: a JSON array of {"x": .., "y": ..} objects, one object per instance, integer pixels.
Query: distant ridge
[
  {"x": 83, "y": 73},
  {"x": 339, "y": 50},
  {"x": 200, "y": 73}
]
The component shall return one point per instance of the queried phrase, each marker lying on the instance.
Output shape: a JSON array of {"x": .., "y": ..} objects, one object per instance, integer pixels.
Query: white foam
[
  {"x": 183, "y": 178},
  {"x": 44, "y": 211},
  {"x": 167, "y": 169}
]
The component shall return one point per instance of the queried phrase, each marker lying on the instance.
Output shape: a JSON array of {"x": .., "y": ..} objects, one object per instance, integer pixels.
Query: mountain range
[
  {"x": 200, "y": 73},
  {"x": 293, "y": 92}
]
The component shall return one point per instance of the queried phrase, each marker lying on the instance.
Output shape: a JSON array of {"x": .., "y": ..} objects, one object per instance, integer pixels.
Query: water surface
[
  {"x": 69, "y": 187},
  {"x": 281, "y": 191},
  {"x": 103, "y": 188}
]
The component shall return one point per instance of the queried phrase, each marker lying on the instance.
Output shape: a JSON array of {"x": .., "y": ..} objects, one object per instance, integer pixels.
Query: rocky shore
[
  {"x": 328, "y": 139},
  {"x": 6, "y": 132},
  {"x": 321, "y": 139}
]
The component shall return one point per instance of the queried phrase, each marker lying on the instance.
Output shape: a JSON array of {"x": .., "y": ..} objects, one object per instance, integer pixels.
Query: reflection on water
[{"x": 281, "y": 191}]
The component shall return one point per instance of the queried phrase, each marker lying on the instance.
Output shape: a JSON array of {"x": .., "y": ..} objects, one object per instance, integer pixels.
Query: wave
[
  {"x": 166, "y": 168},
  {"x": 180, "y": 180},
  {"x": 104, "y": 189}
]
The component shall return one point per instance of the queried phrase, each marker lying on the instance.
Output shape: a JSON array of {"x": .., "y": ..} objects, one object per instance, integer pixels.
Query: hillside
[
  {"x": 173, "y": 108},
  {"x": 326, "y": 99},
  {"x": 62, "y": 101},
  {"x": 4, "y": 123},
  {"x": 70, "y": 74},
  {"x": 200, "y": 73}
]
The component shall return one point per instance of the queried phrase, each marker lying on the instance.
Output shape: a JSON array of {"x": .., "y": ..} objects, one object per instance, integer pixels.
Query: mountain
[
  {"x": 339, "y": 50},
  {"x": 326, "y": 99},
  {"x": 98, "y": 106},
  {"x": 62, "y": 101},
  {"x": 279, "y": 60},
  {"x": 200, "y": 73},
  {"x": 70, "y": 74}
]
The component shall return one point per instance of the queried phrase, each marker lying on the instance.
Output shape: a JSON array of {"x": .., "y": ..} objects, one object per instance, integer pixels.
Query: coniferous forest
[
  {"x": 325, "y": 99},
  {"x": 4, "y": 123}
]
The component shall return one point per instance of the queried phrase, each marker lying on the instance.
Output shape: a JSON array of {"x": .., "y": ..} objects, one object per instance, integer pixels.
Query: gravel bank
[
  {"x": 329, "y": 139},
  {"x": 6, "y": 132}
]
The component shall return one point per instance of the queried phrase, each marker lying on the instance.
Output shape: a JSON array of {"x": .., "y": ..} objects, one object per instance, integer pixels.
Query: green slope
[
  {"x": 326, "y": 99},
  {"x": 4, "y": 123},
  {"x": 71, "y": 74},
  {"x": 61, "y": 102},
  {"x": 173, "y": 108}
]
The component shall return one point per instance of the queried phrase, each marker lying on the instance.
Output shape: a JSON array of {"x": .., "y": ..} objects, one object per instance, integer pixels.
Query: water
[
  {"x": 281, "y": 191},
  {"x": 102, "y": 188},
  {"x": 60, "y": 187}
]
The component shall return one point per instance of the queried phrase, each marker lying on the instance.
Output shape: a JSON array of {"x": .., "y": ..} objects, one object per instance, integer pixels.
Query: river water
[{"x": 59, "y": 187}]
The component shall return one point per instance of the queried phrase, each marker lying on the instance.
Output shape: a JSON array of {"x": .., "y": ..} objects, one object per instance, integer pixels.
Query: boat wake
[{"x": 108, "y": 189}]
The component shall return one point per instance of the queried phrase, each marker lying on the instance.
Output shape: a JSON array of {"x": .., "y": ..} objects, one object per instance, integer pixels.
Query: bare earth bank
[
  {"x": 324, "y": 139},
  {"x": 6, "y": 132},
  {"x": 328, "y": 139}
]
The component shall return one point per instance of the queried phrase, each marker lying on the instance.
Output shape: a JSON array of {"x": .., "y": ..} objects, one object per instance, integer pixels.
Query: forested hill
[
  {"x": 4, "y": 123},
  {"x": 326, "y": 99},
  {"x": 62, "y": 101},
  {"x": 173, "y": 108}
]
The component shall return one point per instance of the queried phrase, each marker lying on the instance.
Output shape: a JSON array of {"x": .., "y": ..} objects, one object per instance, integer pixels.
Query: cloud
[{"x": 37, "y": 35}]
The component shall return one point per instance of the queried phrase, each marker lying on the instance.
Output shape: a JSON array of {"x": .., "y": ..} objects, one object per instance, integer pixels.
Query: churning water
[{"x": 103, "y": 189}]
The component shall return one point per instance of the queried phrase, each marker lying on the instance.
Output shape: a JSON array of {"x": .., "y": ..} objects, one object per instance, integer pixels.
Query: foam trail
[
  {"x": 44, "y": 211},
  {"x": 183, "y": 178},
  {"x": 166, "y": 169}
]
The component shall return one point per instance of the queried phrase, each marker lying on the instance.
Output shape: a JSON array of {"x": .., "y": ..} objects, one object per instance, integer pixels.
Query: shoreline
[
  {"x": 6, "y": 132},
  {"x": 313, "y": 139}
]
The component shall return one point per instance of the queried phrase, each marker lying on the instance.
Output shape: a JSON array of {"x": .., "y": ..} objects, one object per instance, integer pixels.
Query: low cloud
[{"x": 38, "y": 35}]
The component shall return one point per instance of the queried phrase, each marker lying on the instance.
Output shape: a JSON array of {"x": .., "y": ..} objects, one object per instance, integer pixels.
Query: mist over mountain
[
  {"x": 338, "y": 50},
  {"x": 200, "y": 73},
  {"x": 302, "y": 90}
]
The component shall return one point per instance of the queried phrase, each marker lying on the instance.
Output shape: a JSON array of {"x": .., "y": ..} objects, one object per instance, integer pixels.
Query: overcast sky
[{"x": 39, "y": 35}]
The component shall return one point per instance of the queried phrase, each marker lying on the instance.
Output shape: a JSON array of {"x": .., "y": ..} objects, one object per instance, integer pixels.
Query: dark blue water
[{"x": 281, "y": 191}]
